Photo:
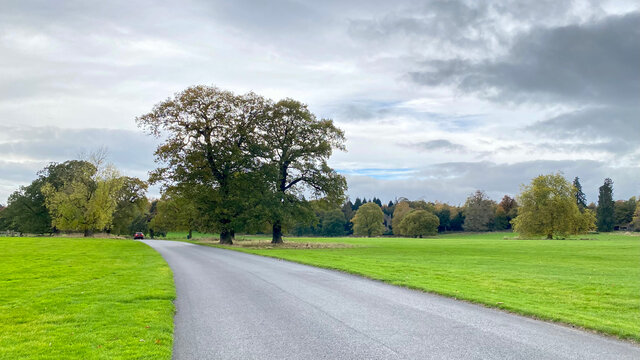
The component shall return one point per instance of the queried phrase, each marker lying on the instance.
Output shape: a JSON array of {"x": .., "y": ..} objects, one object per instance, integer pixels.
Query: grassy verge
[
  {"x": 84, "y": 299},
  {"x": 594, "y": 284}
]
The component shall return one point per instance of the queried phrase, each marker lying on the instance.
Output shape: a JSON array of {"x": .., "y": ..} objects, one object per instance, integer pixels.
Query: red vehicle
[{"x": 138, "y": 236}]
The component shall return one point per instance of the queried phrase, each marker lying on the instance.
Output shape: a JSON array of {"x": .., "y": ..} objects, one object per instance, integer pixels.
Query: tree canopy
[
  {"x": 294, "y": 149},
  {"x": 85, "y": 202},
  {"x": 419, "y": 223},
  {"x": 581, "y": 198},
  {"x": 605, "y": 212},
  {"x": 548, "y": 208},
  {"x": 401, "y": 210},
  {"x": 368, "y": 220},
  {"x": 479, "y": 212}
]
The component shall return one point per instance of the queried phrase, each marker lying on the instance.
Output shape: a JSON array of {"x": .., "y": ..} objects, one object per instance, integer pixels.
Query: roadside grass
[
  {"x": 594, "y": 284},
  {"x": 84, "y": 299}
]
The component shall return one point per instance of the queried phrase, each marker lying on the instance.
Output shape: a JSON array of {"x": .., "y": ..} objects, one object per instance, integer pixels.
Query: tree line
[{"x": 77, "y": 196}]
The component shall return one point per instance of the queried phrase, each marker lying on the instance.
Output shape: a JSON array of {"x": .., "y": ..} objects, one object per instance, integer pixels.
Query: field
[
  {"x": 594, "y": 283},
  {"x": 65, "y": 298}
]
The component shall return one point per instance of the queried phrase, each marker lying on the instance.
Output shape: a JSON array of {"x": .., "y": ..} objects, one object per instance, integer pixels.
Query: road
[{"x": 232, "y": 305}]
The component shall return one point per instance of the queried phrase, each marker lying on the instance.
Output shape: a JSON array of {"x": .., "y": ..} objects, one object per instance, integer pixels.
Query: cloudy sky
[{"x": 437, "y": 98}]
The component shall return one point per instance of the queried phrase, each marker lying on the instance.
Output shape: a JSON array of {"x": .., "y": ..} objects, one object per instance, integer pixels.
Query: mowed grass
[
  {"x": 594, "y": 283},
  {"x": 63, "y": 298}
]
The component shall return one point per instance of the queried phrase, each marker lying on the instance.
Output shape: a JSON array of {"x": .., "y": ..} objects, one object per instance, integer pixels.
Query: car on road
[{"x": 138, "y": 236}]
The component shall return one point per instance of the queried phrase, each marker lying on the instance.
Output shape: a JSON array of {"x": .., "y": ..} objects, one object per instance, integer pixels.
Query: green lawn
[
  {"x": 84, "y": 299},
  {"x": 594, "y": 283}
]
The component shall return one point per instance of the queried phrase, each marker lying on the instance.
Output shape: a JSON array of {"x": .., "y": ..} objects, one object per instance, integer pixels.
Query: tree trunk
[
  {"x": 226, "y": 237},
  {"x": 190, "y": 234},
  {"x": 87, "y": 233},
  {"x": 277, "y": 233},
  {"x": 549, "y": 236}
]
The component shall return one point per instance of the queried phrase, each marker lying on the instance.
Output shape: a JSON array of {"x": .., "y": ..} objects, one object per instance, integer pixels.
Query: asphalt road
[{"x": 232, "y": 305}]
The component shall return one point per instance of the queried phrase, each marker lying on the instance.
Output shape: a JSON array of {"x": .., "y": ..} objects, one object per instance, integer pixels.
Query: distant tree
[
  {"x": 506, "y": 210},
  {"x": 4, "y": 223},
  {"x": 357, "y": 204},
  {"x": 623, "y": 211},
  {"x": 419, "y": 223},
  {"x": 390, "y": 204},
  {"x": 85, "y": 203},
  {"x": 635, "y": 222},
  {"x": 422, "y": 205},
  {"x": 26, "y": 211},
  {"x": 401, "y": 210},
  {"x": 605, "y": 212},
  {"x": 296, "y": 147},
  {"x": 581, "y": 198},
  {"x": 548, "y": 207},
  {"x": 131, "y": 204},
  {"x": 443, "y": 212},
  {"x": 139, "y": 224},
  {"x": 333, "y": 223},
  {"x": 509, "y": 205},
  {"x": 368, "y": 220},
  {"x": 501, "y": 220},
  {"x": 479, "y": 212},
  {"x": 377, "y": 201},
  {"x": 176, "y": 211},
  {"x": 347, "y": 211},
  {"x": 457, "y": 220}
]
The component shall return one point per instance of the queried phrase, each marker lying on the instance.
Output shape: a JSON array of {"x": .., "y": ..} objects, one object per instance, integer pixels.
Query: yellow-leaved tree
[
  {"x": 85, "y": 202},
  {"x": 368, "y": 220},
  {"x": 548, "y": 208}
]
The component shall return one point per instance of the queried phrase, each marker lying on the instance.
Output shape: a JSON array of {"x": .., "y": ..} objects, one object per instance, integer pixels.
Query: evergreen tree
[
  {"x": 347, "y": 210},
  {"x": 357, "y": 204},
  {"x": 605, "y": 212},
  {"x": 581, "y": 198},
  {"x": 390, "y": 204}
]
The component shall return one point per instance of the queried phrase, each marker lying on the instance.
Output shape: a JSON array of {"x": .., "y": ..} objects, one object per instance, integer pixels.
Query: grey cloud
[
  {"x": 128, "y": 148},
  {"x": 16, "y": 173},
  {"x": 445, "y": 22},
  {"x": 619, "y": 123},
  {"x": 442, "y": 29},
  {"x": 439, "y": 145},
  {"x": 593, "y": 62}
]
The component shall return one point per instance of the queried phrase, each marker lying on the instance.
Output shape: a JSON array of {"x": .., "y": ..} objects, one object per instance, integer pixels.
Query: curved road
[{"x": 232, "y": 305}]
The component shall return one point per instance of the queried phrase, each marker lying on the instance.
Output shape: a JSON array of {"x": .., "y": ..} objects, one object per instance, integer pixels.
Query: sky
[{"x": 437, "y": 98}]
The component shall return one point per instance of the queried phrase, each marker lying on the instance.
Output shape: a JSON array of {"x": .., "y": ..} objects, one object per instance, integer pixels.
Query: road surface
[{"x": 232, "y": 305}]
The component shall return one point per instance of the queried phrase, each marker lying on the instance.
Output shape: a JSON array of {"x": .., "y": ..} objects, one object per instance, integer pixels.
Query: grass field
[
  {"x": 594, "y": 283},
  {"x": 84, "y": 299}
]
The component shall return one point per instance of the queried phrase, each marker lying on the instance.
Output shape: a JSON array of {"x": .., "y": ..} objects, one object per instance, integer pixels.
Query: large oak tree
[
  {"x": 295, "y": 148},
  {"x": 208, "y": 138}
]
